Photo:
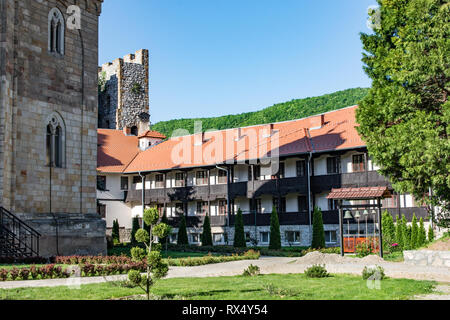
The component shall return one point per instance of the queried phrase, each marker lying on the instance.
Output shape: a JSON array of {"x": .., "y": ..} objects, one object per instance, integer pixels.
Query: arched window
[
  {"x": 56, "y": 30},
  {"x": 55, "y": 141}
]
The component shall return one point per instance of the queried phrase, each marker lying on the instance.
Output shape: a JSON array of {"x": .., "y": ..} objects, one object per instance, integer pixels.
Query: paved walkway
[{"x": 267, "y": 266}]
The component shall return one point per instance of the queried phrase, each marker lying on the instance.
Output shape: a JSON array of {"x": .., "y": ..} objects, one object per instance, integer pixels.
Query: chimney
[
  {"x": 317, "y": 122},
  {"x": 268, "y": 130},
  {"x": 238, "y": 134},
  {"x": 199, "y": 138},
  {"x": 127, "y": 131}
]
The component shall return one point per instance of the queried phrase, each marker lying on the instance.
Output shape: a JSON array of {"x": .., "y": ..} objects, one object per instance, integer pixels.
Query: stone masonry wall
[
  {"x": 428, "y": 258},
  {"x": 34, "y": 84},
  {"x": 124, "y": 101}
]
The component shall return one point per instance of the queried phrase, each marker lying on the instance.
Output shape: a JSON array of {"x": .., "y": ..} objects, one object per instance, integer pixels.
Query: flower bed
[{"x": 91, "y": 266}]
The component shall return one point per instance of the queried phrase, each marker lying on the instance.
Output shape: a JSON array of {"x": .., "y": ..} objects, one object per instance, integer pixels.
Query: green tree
[
  {"x": 318, "y": 237},
  {"x": 275, "y": 236},
  {"x": 405, "y": 118},
  {"x": 414, "y": 233},
  {"x": 182, "y": 232},
  {"x": 388, "y": 227},
  {"x": 206, "y": 235},
  {"x": 406, "y": 235},
  {"x": 134, "y": 228},
  {"x": 290, "y": 110},
  {"x": 422, "y": 234},
  {"x": 430, "y": 234},
  {"x": 239, "y": 233},
  {"x": 116, "y": 232},
  {"x": 399, "y": 232},
  {"x": 156, "y": 267}
]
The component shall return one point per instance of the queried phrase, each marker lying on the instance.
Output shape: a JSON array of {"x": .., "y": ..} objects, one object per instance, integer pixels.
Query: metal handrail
[
  {"x": 19, "y": 236},
  {"x": 3, "y": 211}
]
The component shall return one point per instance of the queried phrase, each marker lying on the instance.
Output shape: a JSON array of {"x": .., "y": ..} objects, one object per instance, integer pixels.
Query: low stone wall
[
  {"x": 428, "y": 258},
  {"x": 68, "y": 234}
]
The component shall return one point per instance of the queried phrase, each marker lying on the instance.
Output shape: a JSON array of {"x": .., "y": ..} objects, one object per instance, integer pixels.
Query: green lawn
[{"x": 265, "y": 287}]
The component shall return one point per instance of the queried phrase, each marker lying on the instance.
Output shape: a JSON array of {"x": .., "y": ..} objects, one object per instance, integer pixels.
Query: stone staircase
[{"x": 17, "y": 239}]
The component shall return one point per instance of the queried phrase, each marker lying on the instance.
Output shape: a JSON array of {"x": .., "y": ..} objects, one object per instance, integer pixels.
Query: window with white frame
[
  {"x": 218, "y": 237},
  {"x": 264, "y": 237},
  {"x": 331, "y": 237},
  {"x": 159, "y": 181},
  {"x": 292, "y": 236},
  {"x": 173, "y": 237},
  {"x": 202, "y": 178},
  {"x": 195, "y": 237},
  {"x": 56, "y": 30},
  {"x": 124, "y": 183}
]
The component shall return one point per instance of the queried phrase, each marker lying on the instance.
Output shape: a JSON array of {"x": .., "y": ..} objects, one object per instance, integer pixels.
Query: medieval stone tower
[
  {"x": 124, "y": 94},
  {"x": 48, "y": 121}
]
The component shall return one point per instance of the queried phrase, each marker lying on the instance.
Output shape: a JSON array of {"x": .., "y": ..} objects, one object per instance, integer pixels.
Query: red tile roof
[
  {"x": 359, "y": 193},
  {"x": 115, "y": 150},
  {"x": 153, "y": 134},
  {"x": 337, "y": 133}
]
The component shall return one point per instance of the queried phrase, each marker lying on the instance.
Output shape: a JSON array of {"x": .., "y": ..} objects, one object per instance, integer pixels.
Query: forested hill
[{"x": 295, "y": 109}]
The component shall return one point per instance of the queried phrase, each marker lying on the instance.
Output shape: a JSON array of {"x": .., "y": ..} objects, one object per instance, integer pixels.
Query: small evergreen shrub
[
  {"x": 317, "y": 271},
  {"x": 318, "y": 238},
  {"x": 275, "y": 237},
  {"x": 414, "y": 244},
  {"x": 206, "y": 235},
  {"x": 251, "y": 271},
  {"x": 182, "y": 238},
  {"x": 239, "y": 234},
  {"x": 116, "y": 232},
  {"x": 135, "y": 227},
  {"x": 430, "y": 234},
  {"x": 373, "y": 273}
]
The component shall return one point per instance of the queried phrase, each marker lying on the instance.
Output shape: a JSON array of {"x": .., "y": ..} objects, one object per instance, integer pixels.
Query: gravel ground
[{"x": 334, "y": 264}]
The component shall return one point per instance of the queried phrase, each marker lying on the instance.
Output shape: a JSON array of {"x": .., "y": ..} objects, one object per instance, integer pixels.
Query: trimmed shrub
[
  {"x": 182, "y": 232},
  {"x": 239, "y": 234},
  {"x": 405, "y": 234},
  {"x": 116, "y": 231},
  {"x": 430, "y": 234},
  {"x": 399, "y": 233},
  {"x": 275, "y": 237},
  {"x": 206, "y": 235},
  {"x": 373, "y": 273},
  {"x": 414, "y": 233},
  {"x": 388, "y": 226},
  {"x": 3, "y": 274},
  {"x": 135, "y": 227},
  {"x": 251, "y": 271},
  {"x": 317, "y": 271},
  {"x": 318, "y": 238},
  {"x": 422, "y": 239}
]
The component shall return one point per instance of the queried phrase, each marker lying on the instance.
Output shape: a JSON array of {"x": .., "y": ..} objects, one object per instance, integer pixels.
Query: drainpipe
[{"x": 143, "y": 197}]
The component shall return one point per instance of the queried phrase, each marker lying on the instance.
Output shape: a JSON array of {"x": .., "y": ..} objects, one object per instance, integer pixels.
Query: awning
[{"x": 367, "y": 193}]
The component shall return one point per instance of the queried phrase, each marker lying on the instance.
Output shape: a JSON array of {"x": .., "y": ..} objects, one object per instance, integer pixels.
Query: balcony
[
  {"x": 324, "y": 183},
  {"x": 285, "y": 219}
]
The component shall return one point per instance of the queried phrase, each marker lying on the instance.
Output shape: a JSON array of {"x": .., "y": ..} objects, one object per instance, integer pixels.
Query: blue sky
[{"x": 218, "y": 57}]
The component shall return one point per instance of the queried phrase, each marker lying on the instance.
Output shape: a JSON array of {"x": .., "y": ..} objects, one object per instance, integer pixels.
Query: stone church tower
[
  {"x": 48, "y": 121},
  {"x": 124, "y": 94}
]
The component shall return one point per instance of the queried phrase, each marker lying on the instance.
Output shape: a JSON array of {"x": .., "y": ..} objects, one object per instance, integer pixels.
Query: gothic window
[
  {"x": 56, "y": 29},
  {"x": 55, "y": 141}
]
